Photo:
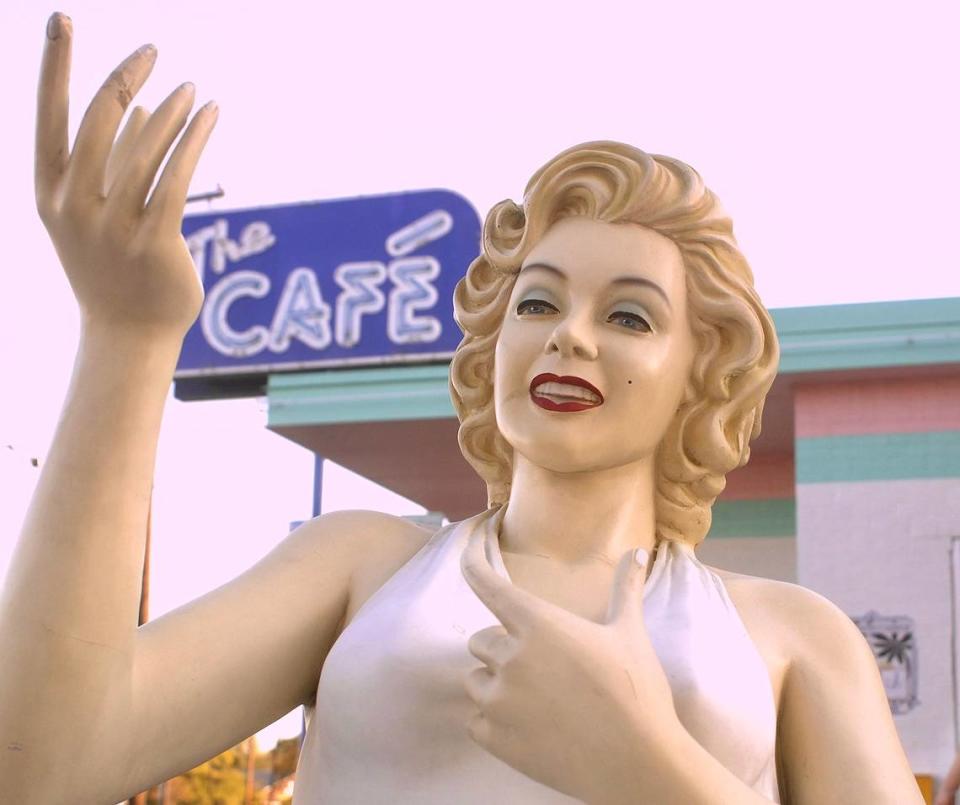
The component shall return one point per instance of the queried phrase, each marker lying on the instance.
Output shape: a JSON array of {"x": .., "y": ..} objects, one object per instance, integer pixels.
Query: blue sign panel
[{"x": 332, "y": 283}]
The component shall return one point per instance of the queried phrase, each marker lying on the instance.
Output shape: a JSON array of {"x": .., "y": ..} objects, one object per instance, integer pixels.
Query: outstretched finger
[
  {"x": 124, "y": 145},
  {"x": 88, "y": 162},
  {"x": 129, "y": 194},
  {"x": 52, "y": 145},
  {"x": 170, "y": 196}
]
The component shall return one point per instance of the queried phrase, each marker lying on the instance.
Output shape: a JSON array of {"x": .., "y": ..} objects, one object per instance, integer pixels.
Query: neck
[{"x": 575, "y": 517}]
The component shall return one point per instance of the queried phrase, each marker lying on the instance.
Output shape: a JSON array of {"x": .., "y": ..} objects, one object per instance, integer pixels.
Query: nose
[{"x": 572, "y": 338}]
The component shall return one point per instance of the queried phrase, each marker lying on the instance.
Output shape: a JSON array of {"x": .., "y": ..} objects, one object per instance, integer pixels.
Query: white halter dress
[{"x": 391, "y": 711}]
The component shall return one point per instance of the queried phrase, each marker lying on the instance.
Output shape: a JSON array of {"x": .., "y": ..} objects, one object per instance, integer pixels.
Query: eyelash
[{"x": 526, "y": 304}]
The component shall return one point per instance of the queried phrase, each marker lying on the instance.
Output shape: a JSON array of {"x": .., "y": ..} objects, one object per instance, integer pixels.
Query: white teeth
[{"x": 566, "y": 390}]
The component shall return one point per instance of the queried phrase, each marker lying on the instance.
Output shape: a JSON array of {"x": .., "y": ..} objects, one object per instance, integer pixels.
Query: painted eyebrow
[{"x": 618, "y": 281}]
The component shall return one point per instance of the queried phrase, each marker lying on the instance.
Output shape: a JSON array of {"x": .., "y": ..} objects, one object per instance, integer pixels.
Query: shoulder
[
  {"x": 363, "y": 543},
  {"x": 808, "y": 628},
  {"x": 379, "y": 545},
  {"x": 783, "y": 597},
  {"x": 356, "y": 527},
  {"x": 389, "y": 541}
]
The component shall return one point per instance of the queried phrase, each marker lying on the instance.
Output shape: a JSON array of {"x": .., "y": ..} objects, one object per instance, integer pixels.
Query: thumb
[{"x": 626, "y": 597}]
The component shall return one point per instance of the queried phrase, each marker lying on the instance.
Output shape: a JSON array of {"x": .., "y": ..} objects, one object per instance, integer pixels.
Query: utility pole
[{"x": 251, "y": 769}]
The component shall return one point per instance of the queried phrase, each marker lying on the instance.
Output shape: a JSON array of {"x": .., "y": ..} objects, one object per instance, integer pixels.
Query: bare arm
[
  {"x": 68, "y": 610},
  {"x": 837, "y": 739},
  {"x": 79, "y": 679}
]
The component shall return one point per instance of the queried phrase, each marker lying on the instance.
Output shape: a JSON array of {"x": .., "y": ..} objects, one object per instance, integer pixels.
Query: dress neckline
[{"x": 491, "y": 533}]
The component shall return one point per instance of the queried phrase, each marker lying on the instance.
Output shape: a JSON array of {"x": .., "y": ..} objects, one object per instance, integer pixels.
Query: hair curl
[{"x": 737, "y": 353}]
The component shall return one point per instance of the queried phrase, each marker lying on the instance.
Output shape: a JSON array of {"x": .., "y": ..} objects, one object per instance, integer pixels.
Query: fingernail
[
  {"x": 56, "y": 25},
  {"x": 641, "y": 556},
  {"x": 148, "y": 50},
  {"x": 186, "y": 85},
  {"x": 211, "y": 107}
]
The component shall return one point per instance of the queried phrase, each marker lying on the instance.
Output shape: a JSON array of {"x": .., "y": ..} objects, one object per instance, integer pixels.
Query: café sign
[{"x": 360, "y": 281}]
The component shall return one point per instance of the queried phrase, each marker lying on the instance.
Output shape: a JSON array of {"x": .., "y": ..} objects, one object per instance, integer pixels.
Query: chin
[{"x": 569, "y": 456}]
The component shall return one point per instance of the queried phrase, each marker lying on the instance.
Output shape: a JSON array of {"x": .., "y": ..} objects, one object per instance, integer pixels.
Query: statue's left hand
[{"x": 567, "y": 701}]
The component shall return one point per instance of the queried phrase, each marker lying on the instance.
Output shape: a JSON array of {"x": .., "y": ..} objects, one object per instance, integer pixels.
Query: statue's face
[{"x": 605, "y": 303}]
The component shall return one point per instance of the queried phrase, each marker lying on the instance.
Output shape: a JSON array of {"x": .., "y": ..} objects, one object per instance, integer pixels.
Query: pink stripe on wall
[
  {"x": 764, "y": 476},
  {"x": 849, "y": 408}
]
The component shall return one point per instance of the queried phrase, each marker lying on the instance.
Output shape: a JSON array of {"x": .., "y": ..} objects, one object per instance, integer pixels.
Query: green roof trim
[
  {"x": 878, "y": 457},
  {"x": 770, "y": 517},
  {"x": 359, "y": 395},
  {"x": 909, "y": 333}
]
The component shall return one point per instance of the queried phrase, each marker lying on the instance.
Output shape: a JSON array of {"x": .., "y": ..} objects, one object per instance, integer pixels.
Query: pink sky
[{"x": 829, "y": 130}]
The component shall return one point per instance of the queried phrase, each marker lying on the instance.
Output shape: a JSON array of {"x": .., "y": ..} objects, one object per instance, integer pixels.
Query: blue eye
[
  {"x": 535, "y": 307},
  {"x": 631, "y": 321}
]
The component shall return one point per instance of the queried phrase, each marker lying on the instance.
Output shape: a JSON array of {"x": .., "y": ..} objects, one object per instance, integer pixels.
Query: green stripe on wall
[
  {"x": 771, "y": 517},
  {"x": 878, "y": 457}
]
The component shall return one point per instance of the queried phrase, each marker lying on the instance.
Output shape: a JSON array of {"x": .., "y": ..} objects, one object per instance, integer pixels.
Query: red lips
[{"x": 571, "y": 380}]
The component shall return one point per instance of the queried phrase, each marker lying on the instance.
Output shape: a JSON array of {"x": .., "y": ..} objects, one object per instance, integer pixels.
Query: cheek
[
  {"x": 511, "y": 358},
  {"x": 650, "y": 384}
]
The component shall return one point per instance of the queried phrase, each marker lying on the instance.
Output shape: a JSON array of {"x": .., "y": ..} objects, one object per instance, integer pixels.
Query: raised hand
[
  {"x": 123, "y": 253},
  {"x": 568, "y": 702}
]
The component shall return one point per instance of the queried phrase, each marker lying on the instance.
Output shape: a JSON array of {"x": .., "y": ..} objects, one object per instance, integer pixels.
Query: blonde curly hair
[{"x": 737, "y": 354}]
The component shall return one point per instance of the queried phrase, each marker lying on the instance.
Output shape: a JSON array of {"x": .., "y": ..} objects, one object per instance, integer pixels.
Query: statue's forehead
[{"x": 586, "y": 249}]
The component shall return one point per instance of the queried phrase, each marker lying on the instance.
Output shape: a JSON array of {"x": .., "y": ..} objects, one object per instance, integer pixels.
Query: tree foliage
[{"x": 222, "y": 780}]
